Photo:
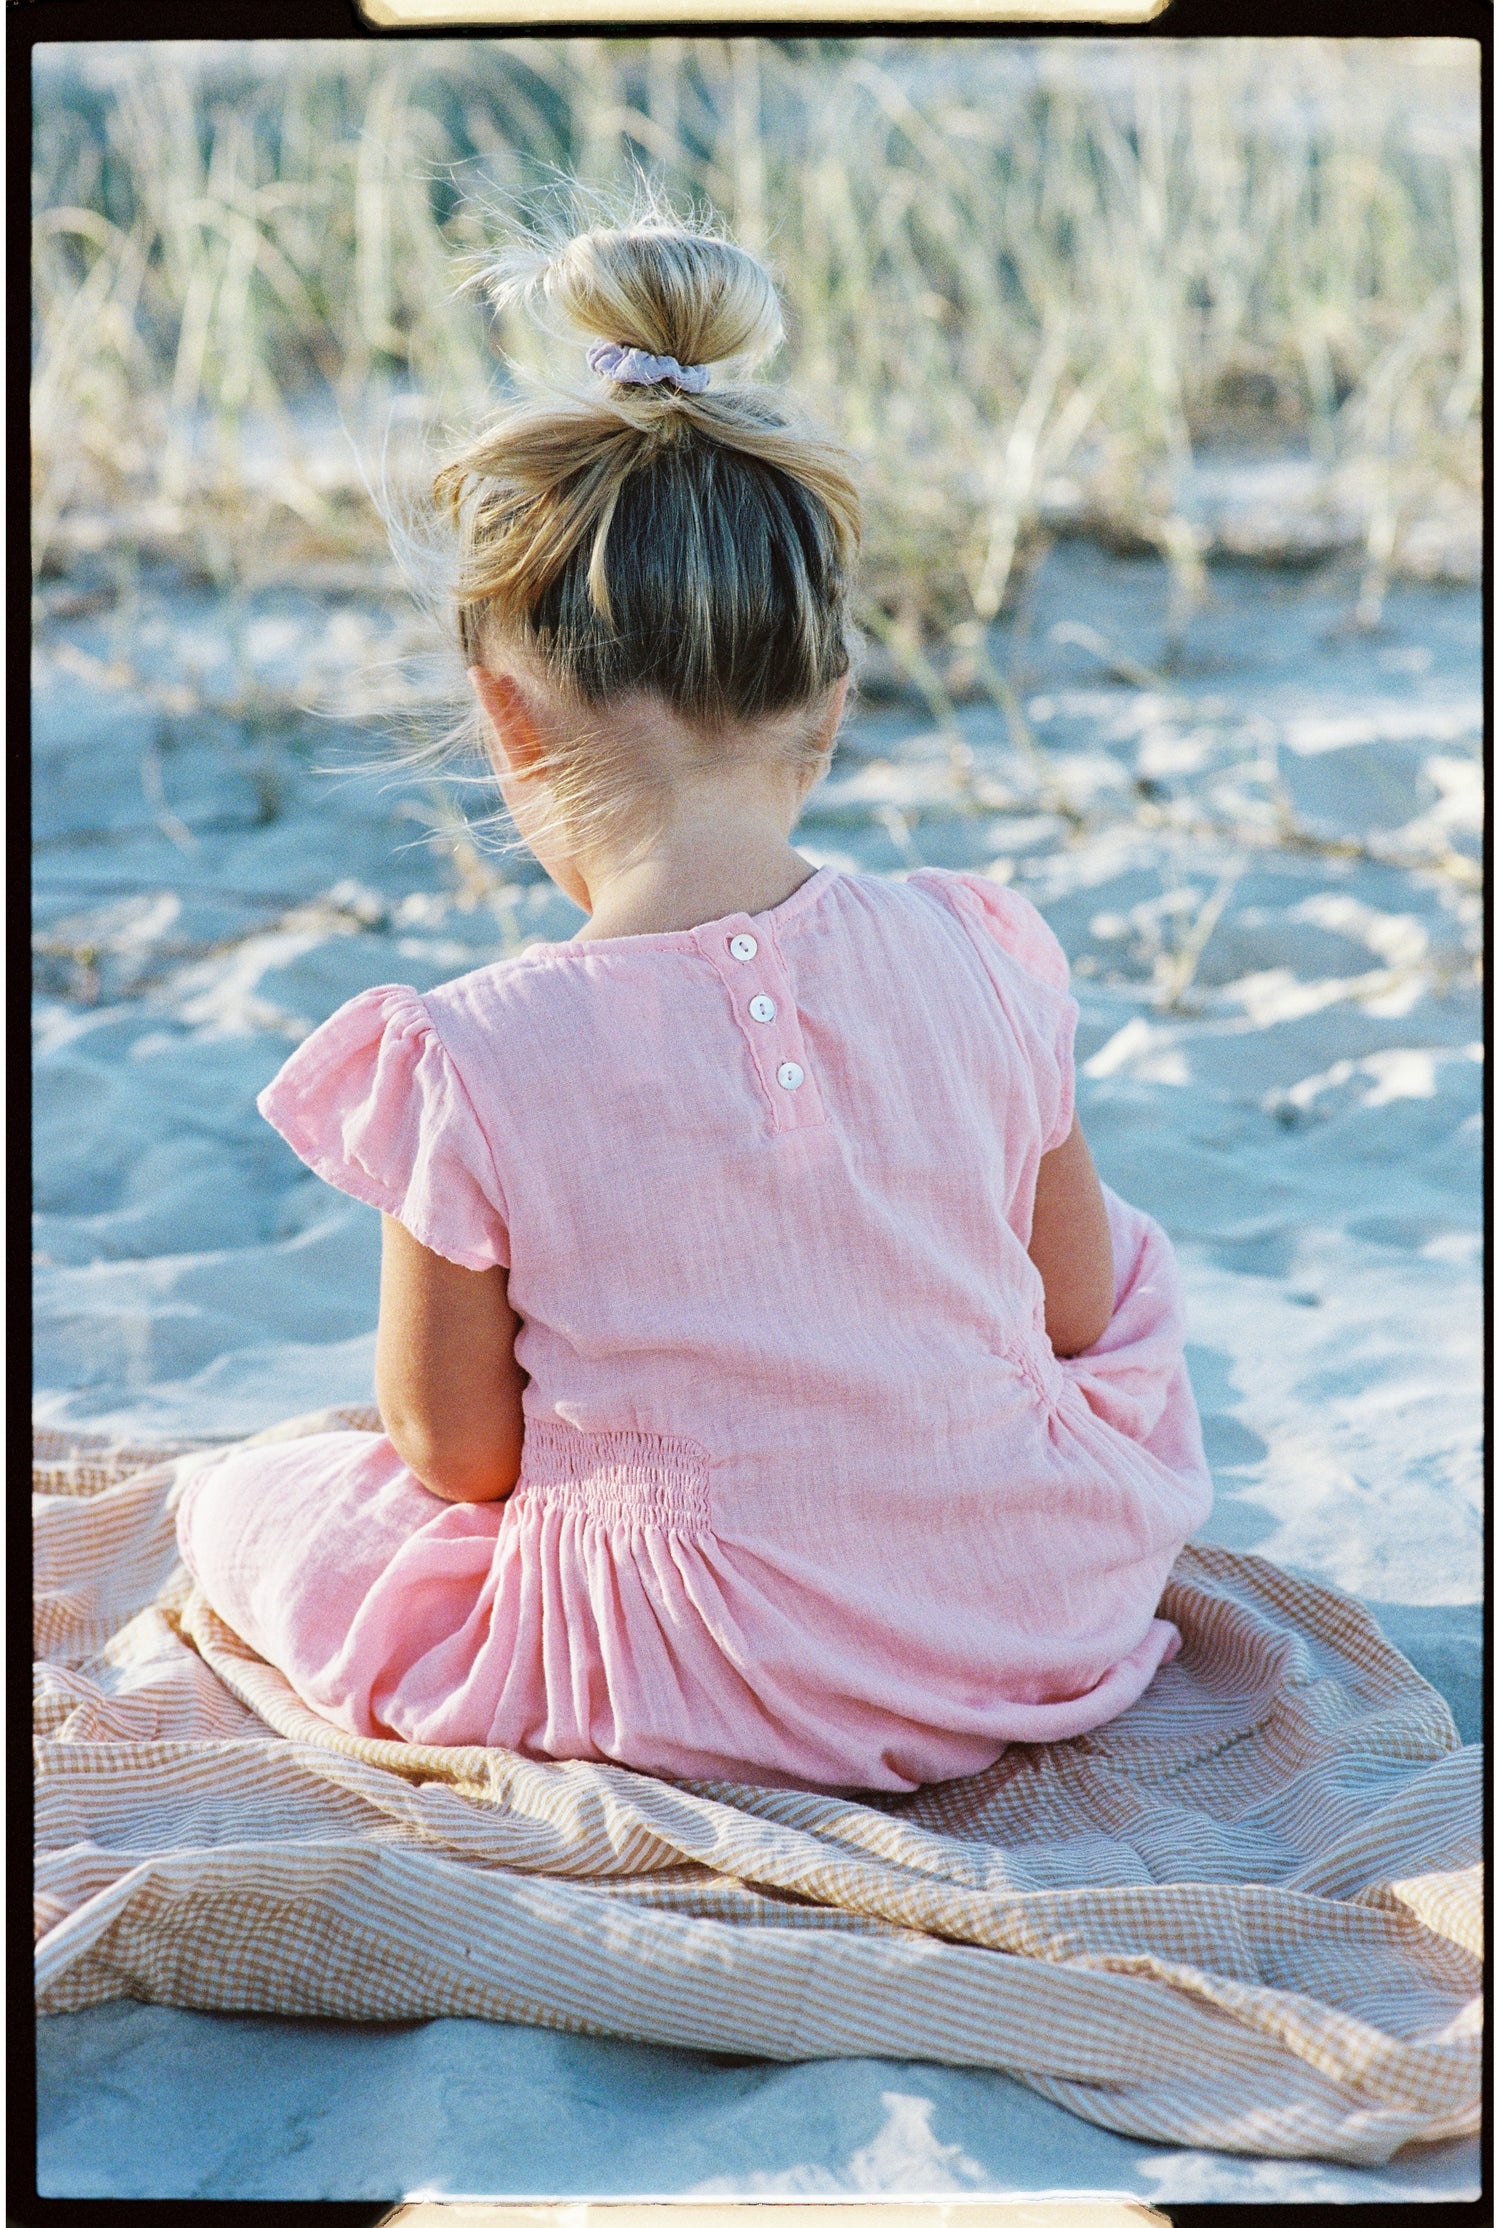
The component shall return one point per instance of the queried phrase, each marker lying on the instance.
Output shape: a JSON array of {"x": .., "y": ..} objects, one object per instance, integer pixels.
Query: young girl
[{"x": 770, "y": 1391}]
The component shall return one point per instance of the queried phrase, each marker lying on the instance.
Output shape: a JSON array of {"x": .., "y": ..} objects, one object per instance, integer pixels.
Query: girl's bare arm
[
  {"x": 1070, "y": 1246},
  {"x": 446, "y": 1374}
]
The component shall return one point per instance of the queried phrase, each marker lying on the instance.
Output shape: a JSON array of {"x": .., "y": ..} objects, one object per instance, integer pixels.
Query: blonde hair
[{"x": 694, "y": 547}]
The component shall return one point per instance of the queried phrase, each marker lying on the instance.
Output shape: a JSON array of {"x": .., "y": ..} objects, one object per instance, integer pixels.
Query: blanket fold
[{"x": 1245, "y": 1915}]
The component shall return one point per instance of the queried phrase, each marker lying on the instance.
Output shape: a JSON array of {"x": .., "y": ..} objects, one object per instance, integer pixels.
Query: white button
[
  {"x": 743, "y": 947},
  {"x": 789, "y": 1076},
  {"x": 763, "y": 1009}
]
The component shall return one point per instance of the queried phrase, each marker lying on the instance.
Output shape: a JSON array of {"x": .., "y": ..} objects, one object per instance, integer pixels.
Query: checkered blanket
[{"x": 1244, "y": 1916}]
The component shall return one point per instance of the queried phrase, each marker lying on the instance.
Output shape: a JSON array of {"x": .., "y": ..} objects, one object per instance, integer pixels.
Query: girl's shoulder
[
  {"x": 998, "y": 918},
  {"x": 515, "y": 978}
]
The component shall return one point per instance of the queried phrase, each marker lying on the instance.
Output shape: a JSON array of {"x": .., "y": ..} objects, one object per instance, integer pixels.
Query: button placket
[{"x": 760, "y": 995}]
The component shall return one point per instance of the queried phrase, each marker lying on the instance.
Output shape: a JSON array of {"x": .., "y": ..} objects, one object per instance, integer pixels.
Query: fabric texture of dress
[{"x": 805, "y": 1497}]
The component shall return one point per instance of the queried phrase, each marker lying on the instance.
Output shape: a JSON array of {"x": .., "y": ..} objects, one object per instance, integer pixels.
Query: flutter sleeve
[
  {"x": 1030, "y": 970},
  {"x": 373, "y": 1103}
]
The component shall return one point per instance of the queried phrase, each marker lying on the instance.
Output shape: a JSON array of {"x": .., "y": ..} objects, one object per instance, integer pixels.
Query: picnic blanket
[{"x": 1244, "y": 1916}]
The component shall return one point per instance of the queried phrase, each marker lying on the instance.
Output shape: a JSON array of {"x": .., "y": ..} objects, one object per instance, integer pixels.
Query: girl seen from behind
[{"x": 771, "y": 1391}]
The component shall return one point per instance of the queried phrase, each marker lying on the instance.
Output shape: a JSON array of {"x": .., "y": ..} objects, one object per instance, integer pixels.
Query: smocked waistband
[{"x": 640, "y": 1477}]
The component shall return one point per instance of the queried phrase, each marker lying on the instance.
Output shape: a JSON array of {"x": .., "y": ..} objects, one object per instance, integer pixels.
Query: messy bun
[
  {"x": 668, "y": 292},
  {"x": 645, "y": 537}
]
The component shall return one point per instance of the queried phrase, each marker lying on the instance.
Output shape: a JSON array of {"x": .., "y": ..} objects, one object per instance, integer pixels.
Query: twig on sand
[{"x": 1175, "y": 970}]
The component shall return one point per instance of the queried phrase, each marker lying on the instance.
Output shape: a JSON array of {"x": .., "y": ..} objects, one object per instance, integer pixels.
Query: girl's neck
[
  {"x": 695, "y": 873},
  {"x": 719, "y": 837}
]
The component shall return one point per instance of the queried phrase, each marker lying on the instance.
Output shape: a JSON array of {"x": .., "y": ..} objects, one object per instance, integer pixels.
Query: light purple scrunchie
[{"x": 632, "y": 367}]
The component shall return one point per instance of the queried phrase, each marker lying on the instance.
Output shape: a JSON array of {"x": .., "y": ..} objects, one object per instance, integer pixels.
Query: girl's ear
[
  {"x": 516, "y": 747},
  {"x": 828, "y": 726},
  {"x": 826, "y": 732}
]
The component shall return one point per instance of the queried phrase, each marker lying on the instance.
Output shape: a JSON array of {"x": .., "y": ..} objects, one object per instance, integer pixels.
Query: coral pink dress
[{"x": 805, "y": 1497}]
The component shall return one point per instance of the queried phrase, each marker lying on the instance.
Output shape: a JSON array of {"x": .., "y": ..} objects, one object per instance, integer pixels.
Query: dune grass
[{"x": 1028, "y": 282}]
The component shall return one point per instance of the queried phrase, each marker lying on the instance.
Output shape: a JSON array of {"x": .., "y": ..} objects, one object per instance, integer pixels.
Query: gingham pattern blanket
[{"x": 1244, "y": 1916}]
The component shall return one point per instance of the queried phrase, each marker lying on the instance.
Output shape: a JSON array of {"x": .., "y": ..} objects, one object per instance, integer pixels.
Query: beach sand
[{"x": 1262, "y": 858}]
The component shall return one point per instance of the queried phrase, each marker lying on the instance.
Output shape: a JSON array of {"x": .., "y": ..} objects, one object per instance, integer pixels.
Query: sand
[{"x": 1262, "y": 858}]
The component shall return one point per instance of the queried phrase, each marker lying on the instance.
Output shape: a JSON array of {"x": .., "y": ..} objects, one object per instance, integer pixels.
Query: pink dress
[{"x": 805, "y": 1497}]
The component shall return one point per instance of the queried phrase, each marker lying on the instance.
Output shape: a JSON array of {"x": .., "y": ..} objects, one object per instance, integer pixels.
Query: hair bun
[
  {"x": 655, "y": 539},
  {"x": 666, "y": 291}
]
